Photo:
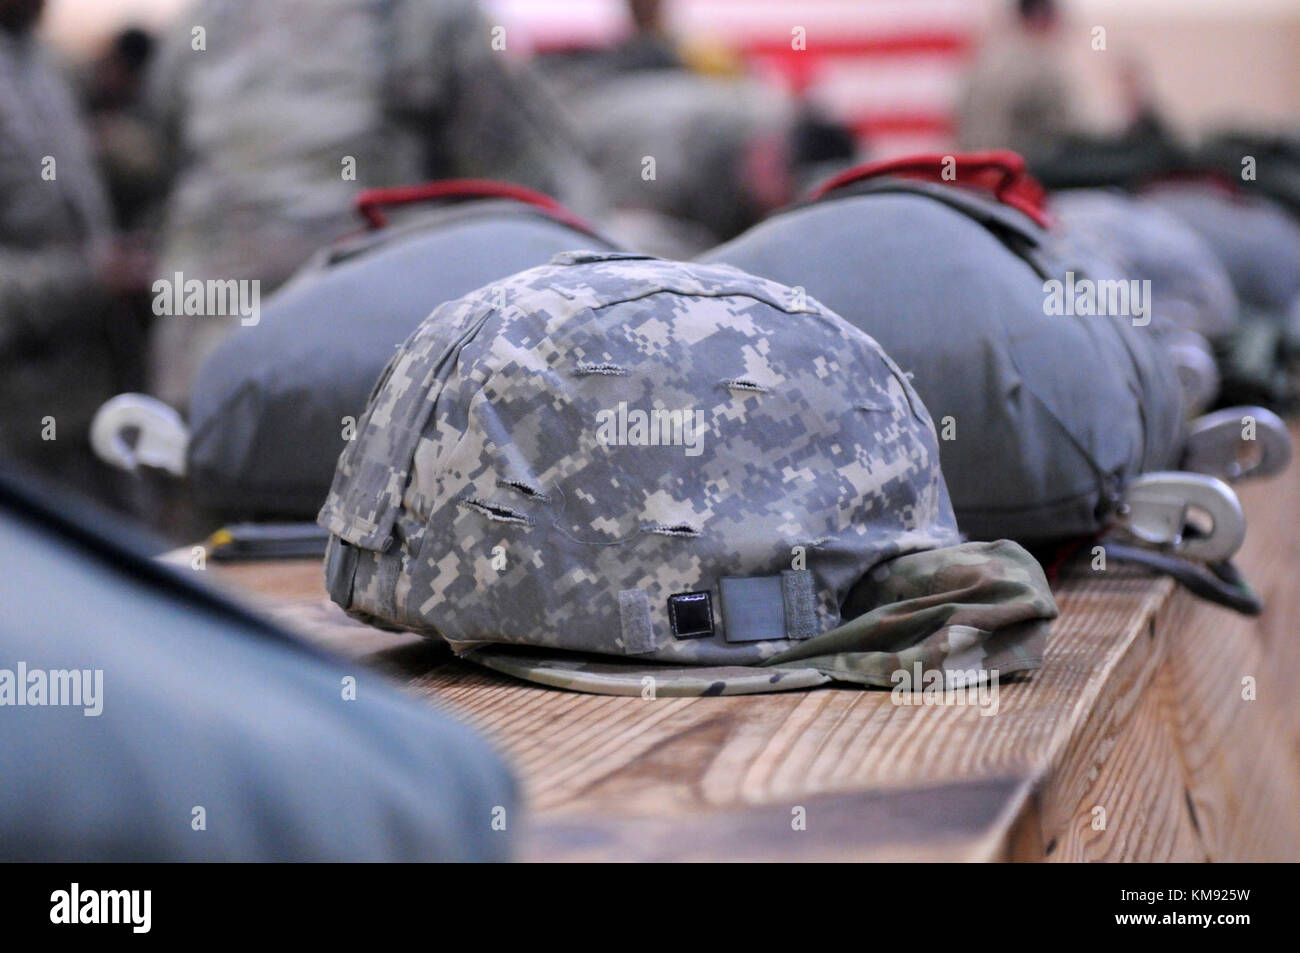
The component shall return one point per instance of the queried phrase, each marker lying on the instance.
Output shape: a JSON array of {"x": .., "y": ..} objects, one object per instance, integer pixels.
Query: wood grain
[{"x": 1138, "y": 710}]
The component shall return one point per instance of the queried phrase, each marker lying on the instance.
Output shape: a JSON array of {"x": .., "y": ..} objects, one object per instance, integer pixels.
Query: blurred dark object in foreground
[{"x": 181, "y": 726}]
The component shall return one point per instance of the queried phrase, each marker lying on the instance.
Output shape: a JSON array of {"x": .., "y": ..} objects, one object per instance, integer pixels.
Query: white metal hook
[{"x": 163, "y": 437}]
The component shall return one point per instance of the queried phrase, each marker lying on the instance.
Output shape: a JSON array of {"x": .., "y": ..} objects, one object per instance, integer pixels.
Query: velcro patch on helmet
[
  {"x": 634, "y": 622},
  {"x": 768, "y": 608}
]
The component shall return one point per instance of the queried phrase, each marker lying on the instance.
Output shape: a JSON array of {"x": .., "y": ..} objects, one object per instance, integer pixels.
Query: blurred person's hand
[{"x": 125, "y": 267}]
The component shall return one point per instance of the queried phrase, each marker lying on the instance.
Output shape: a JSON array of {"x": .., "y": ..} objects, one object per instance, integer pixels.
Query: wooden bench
[{"x": 1140, "y": 738}]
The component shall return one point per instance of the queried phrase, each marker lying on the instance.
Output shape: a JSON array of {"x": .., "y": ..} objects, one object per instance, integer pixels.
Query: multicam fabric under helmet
[{"x": 619, "y": 474}]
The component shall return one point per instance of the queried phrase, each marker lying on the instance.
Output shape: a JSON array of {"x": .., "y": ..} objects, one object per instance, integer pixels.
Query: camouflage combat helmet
[{"x": 616, "y": 473}]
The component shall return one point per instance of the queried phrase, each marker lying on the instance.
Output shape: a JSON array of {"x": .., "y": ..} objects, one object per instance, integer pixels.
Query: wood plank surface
[{"x": 1134, "y": 741}]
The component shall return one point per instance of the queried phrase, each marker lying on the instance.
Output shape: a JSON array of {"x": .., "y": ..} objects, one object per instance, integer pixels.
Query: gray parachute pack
[
  {"x": 1191, "y": 294},
  {"x": 1255, "y": 238},
  {"x": 1044, "y": 417},
  {"x": 1060, "y": 415},
  {"x": 1258, "y": 242},
  {"x": 624, "y": 475},
  {"x": 274, "y": 405},
  {"x": 1235, "y": 190},
  {"x": 1191, "y": 287}
]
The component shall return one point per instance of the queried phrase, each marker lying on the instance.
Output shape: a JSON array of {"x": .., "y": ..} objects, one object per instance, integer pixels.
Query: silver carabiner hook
[
  {"x": 1157, "y": 507},
  {"x": 1237, "y": 443}
]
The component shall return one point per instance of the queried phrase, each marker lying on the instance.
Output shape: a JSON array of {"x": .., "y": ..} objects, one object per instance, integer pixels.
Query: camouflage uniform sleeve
[
  {"x": 41, "y": 290},
  {"x": 490, "y": 116},
  {"x": 165, "y": 90},
  {"x": 975, "y": 608}
]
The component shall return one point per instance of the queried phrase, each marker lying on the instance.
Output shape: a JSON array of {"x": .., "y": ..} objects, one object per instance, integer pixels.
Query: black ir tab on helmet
[{"x": 691, "y": 614}]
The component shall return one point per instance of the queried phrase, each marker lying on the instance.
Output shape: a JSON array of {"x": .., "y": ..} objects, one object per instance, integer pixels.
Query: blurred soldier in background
[
  {"x": 1019, "y": 96},
  {"x": 129, "y": 152},
  {"x": 58, "y": 265},
  {"x": 124, "y": 135},
  {"x": 649, "y": 46},
  {"x": 691, "y": 148},
  {"x": 281, "y": 111},
  {"x": 687, "y": 160}
]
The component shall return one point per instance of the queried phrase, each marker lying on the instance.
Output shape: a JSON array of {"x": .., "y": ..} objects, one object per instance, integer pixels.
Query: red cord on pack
[
  {"x": 1215, "y": 179},
  {"x": 999, "y": 172},
  {"x": 1064, "y": 553},
  {"x": 372, "y": 202}
]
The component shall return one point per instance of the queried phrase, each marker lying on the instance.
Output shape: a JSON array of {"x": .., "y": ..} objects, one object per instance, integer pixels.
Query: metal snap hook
[
  {"x": 163, "y": 437},
  {"x": 1157, "y": 507},
  {"x": 1238, "y": 443}
]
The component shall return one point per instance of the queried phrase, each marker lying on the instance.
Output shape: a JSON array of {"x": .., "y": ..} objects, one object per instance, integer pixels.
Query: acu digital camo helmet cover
[{"x": 780, "y": 522}]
